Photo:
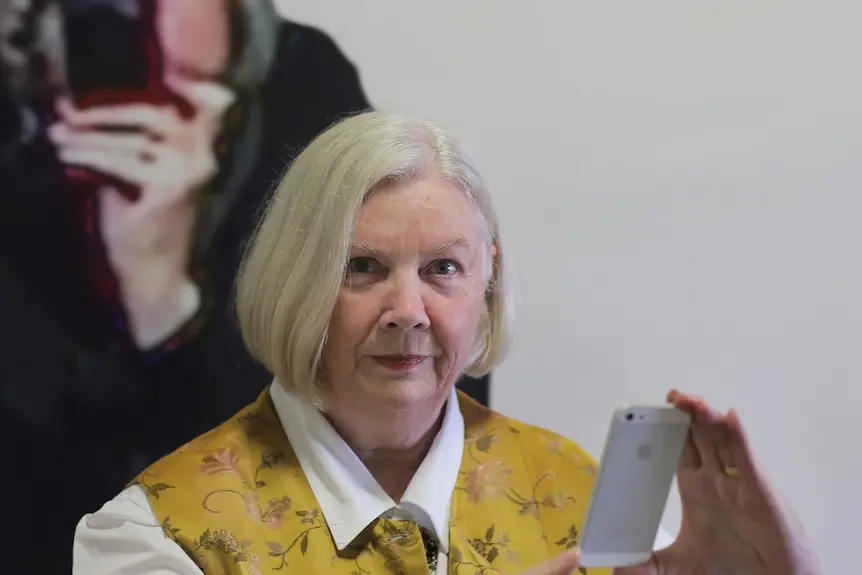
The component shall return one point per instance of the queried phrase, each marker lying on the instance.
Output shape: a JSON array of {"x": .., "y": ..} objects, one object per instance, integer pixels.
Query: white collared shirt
[{"x": 125, "y": 536}]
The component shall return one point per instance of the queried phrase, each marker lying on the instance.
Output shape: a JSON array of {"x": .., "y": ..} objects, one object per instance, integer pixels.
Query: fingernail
[
  {"x": 55, "y": 132},
  {"x": 66, "y": 108}
]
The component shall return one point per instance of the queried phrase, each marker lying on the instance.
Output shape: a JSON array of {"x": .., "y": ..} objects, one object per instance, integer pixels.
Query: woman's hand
[
  {"x": 565, "y": 563},
  {"x": 167, "y": 158},
  {"x": 733, "y": 523}
]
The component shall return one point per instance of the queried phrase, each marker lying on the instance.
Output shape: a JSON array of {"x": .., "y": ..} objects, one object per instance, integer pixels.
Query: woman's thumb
[
  {"x": 648, "y": 568},
  {"x": 563, "y": 564}
]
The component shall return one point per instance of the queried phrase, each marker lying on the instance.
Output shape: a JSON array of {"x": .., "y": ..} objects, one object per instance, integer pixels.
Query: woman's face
[
  {"x": 408, "y": 312},
  {"x": 195, "y": 37}
]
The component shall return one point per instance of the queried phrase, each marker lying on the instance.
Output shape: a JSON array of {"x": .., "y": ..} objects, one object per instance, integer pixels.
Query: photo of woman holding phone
[{"x": 138, "y": 141}]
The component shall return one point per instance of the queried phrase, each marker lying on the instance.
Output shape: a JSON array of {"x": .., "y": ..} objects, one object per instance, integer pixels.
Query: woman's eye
[
  {"x": 444, "y": 267},
  {"x": 362, "y": 266}
]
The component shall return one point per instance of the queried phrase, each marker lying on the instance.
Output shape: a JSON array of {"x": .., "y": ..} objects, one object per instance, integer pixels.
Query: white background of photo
[{"x": 679, "y": 186}]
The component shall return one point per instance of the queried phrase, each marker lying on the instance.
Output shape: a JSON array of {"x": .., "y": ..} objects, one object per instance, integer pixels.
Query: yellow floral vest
[{"x": 236, "y": 500}]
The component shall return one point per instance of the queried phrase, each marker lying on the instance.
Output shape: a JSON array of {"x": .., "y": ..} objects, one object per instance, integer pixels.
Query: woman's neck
[
  {"x": 392, "y": 446},
  {"x": 394, "y": 468}
]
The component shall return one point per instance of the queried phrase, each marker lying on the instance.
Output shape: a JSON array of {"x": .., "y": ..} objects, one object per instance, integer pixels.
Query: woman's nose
[{"x": 406, "y": 309}]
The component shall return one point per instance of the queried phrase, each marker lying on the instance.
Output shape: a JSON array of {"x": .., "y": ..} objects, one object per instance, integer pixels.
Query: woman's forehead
[{"x": 419, "y": 212}]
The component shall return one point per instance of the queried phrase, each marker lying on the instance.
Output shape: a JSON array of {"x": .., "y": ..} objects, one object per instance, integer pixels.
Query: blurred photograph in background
[{"x": 139, "y": 140}]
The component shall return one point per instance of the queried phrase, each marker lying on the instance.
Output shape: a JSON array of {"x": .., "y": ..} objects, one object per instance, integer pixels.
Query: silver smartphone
[{"x": 636, "y": 471}]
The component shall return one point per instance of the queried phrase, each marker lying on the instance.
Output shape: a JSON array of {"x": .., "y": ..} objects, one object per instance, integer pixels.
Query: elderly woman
[{"x": 374, "y": 281}]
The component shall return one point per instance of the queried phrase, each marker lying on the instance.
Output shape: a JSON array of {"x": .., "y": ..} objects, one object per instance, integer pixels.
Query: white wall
[{"x": 680, "y": 190}]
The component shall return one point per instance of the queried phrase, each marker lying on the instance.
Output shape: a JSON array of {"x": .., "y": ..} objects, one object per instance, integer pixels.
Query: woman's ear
[
  {"x": 491, "y": 267},
  {"x": 490, "y": 275}
]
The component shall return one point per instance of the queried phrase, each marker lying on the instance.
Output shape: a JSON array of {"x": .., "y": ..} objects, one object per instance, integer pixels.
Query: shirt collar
[{"x": 349, "y": 496}]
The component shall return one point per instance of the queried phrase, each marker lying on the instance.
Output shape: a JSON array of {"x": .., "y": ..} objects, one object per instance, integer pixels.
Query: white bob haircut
[{"x": 294, "y": 265}]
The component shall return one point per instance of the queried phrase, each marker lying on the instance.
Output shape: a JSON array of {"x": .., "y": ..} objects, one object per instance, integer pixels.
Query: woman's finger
[
  {"x": 704, "y": 439},
  {"x": 721, "y": 437},
  {"x": 209, "y": 98},
  {"x": 127, "y": 143},
  {"x": 126, "y": 168},
  {"x": 739, "y": 447},
  {"x": 690, "y": 458},
  {"x": 563, "y": 564},
  {"x": 160, "y": 122},
  {"x": 704, "y": 433}
]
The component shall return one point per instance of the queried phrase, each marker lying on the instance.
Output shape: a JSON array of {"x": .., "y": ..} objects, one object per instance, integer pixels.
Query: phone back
[
  {"x": 110, "y": 46},
  {"x": 638, "y": 464}
]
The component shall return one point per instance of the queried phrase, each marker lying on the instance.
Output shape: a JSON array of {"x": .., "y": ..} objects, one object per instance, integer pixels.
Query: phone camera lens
[{"x": 629, "y": 416}]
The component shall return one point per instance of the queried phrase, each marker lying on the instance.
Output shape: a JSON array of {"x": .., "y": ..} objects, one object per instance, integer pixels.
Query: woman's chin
[{"x": 401, "y": 393}]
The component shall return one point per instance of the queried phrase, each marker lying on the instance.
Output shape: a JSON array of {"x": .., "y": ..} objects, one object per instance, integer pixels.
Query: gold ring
[{"x": 731, "y": 471}]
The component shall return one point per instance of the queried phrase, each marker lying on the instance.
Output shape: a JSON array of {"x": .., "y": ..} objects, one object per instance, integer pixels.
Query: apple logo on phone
[{"x": 645, "y": 451}]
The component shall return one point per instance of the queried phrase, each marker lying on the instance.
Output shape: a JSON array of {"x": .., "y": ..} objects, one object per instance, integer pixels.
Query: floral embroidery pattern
[
  {"x": 268, "y": 461},
  {"x": 221, "y": 541},
  {"x": 272, "y": 515},
  {"x": 484, "y": 477},
  {"x": 276, "y": 550},
  {"x": 486, "y": 480},
  {"x": 457, "y": 561},
  {"x": 492, "y": 479},
  {"x": 254, "y": 424},
  {"x": 221, "y": 462},
  {"x": 391, "y": 542},
  {"x": 227, "y": 544},
  {"x": 569, "y": 541},
  {"x": 153, "y": 489},
  {"x": 226, "y": 462},
  {"x": 171, "y": 532},
  {"x": 556, "y": 446},
  {"x": 490, "y": 547},
  {"x": 531, "y": 505}
]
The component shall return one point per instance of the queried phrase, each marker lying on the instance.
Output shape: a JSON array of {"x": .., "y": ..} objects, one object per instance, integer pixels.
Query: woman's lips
[{"x": 400, "y": 362}]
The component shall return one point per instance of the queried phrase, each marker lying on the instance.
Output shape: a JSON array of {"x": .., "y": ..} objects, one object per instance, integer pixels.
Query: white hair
[{"x": 294, "y": 265}]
